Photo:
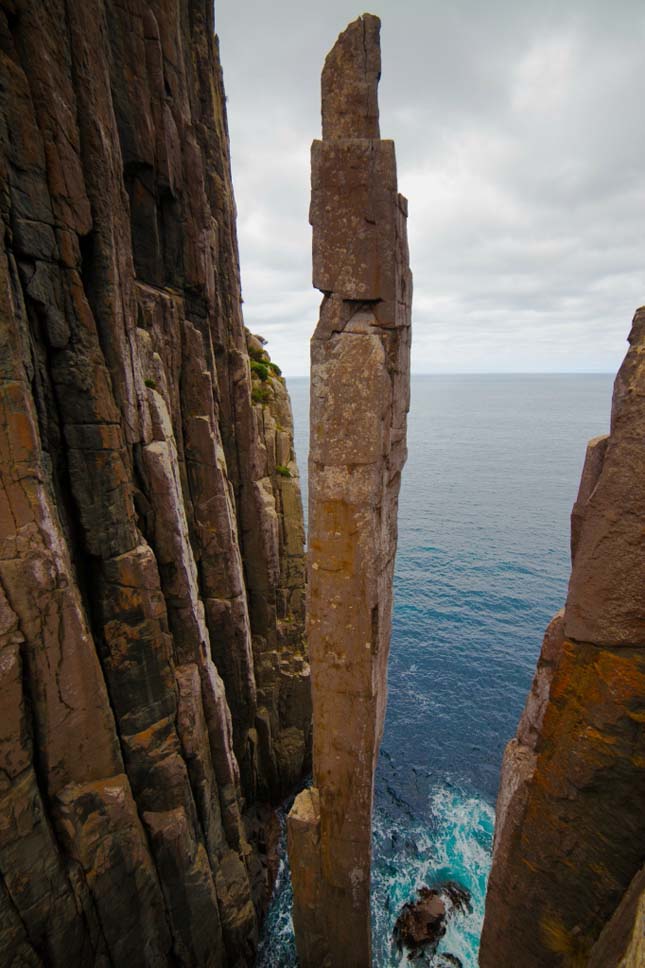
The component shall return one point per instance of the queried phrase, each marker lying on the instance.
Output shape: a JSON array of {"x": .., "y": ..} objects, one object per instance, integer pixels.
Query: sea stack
[
  {"x": 567, "y": 885},
  {"x": 359, "y": 399}
]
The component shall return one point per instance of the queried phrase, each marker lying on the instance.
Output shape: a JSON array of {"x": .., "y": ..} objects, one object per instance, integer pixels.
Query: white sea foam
[{"x": 452, "y": 842}]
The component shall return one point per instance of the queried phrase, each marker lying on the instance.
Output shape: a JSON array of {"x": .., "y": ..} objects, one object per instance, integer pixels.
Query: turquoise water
[{"x": 482, "y": 565}]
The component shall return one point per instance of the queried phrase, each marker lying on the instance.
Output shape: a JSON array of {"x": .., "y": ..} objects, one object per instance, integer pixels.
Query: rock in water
[
  {"x": 359, "y": 400},
  {"x": 153, "y": 678},
  {"x": 421, "y": 924},
  {"x": 458, "y": 897},
  {"x": 448, "y": 961}
]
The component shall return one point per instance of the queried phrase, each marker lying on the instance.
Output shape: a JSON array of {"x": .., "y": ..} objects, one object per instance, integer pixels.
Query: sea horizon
[{"x": 612, "y": 373}]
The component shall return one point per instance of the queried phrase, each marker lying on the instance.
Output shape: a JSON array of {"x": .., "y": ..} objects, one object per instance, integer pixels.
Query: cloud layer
[{"x": 520, "y": 144}]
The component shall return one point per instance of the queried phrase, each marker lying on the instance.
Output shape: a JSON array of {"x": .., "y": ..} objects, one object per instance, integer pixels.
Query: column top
[{"x": 349, "y": 83}]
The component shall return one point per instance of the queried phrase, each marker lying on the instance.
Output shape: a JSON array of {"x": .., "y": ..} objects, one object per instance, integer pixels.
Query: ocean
[{"x": 482, "y": 566}]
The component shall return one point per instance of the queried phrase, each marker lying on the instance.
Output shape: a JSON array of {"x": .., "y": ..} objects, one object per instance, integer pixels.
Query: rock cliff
[
  {"x": 567, "y": 886},
  {"x": 360, "y": 360},
  {"x": 154, "y": 689}
]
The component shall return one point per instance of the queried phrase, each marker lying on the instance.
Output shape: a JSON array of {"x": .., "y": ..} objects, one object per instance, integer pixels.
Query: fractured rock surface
[
  {"x": 566, "y": 886},
  {"x": 154, "y": 688},
  {"x": 359, "y": 400}
]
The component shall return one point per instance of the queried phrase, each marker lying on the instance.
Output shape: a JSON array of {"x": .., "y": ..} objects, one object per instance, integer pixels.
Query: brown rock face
[
  {"x": 153, "y": 680},
  {"x": 566, "y": 886},
  {"x": 359, "y": 401}
]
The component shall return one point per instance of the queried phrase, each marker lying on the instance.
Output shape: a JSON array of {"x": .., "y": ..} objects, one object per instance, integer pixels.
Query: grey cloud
[{"x": 520, "y": 144}]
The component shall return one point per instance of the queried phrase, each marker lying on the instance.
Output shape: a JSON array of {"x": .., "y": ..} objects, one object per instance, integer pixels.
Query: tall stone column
[{"x": 359, "y": 400}]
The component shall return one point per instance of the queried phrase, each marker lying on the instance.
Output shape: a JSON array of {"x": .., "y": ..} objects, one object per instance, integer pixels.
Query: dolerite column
[
  {"x": 359, "y": 400},
  {"x": 567, "y": 883}
]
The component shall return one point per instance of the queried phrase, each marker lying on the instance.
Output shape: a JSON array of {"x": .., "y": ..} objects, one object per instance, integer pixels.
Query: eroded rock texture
[
  {"x": 566, "y": 886},
  {"x": 359, "y": 399},
  {"x": 153, "y": 683}
]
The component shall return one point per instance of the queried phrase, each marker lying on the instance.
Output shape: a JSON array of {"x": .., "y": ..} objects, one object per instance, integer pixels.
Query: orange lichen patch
[
  {"x": 623, "y": 675},
  {"x": 157, "y": 744},
  {"x": 566, "y": 679},
  {"x": 135, "y": 569},
  {"x": 17, "y": 503},
  {"x": 20, "y": 438},
  {"x": 595, "y": 736},
  {"x": 593, "y": 692},
  {"x": 134, "y": 604},
  {"x": 127, "y": 599},
  {"x": 146, "y": 737},
  {"x": 570, "y": 842},
  {"x": 121, "y": 638},
  {"x": 22, "y": 434},
  {"x": 114, "y": 785},
  {"x": 573, "y": 949},
  {"x": 335, "y": 547}
]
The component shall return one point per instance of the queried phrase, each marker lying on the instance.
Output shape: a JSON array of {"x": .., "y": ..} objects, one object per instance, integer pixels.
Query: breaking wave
[{"x": 452, "y": 842}]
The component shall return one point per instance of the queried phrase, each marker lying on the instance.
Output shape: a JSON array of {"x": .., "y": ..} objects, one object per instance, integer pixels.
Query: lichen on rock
[
  {"x": 155, "y": 688},
  {"x": 566, "y": 885}
]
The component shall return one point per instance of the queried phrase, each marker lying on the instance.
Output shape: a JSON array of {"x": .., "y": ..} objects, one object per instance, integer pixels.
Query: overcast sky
[{"x": 520, "y": 137}]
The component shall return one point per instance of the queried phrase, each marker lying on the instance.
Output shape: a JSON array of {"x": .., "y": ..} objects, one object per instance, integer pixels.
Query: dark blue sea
[{"x": 482, "y": 565}]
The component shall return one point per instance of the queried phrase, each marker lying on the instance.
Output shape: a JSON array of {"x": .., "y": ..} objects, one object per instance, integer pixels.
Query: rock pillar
[
  {"x": 567, "y": 884},
  {"x": 359, "y": 400}
]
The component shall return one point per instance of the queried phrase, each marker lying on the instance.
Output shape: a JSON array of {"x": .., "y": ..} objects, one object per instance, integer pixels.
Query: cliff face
[
  {"x": 153, "y": 682},
  {"x": 360, "y": 364},
  {"x": 567, "y": 885}
]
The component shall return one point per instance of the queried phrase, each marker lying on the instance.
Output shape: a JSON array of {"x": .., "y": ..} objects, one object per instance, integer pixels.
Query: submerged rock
[
  {"x": 422, "y": 924},
  {"x": 448, "y": 961},
  {"x": 458, "y": 896}
]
